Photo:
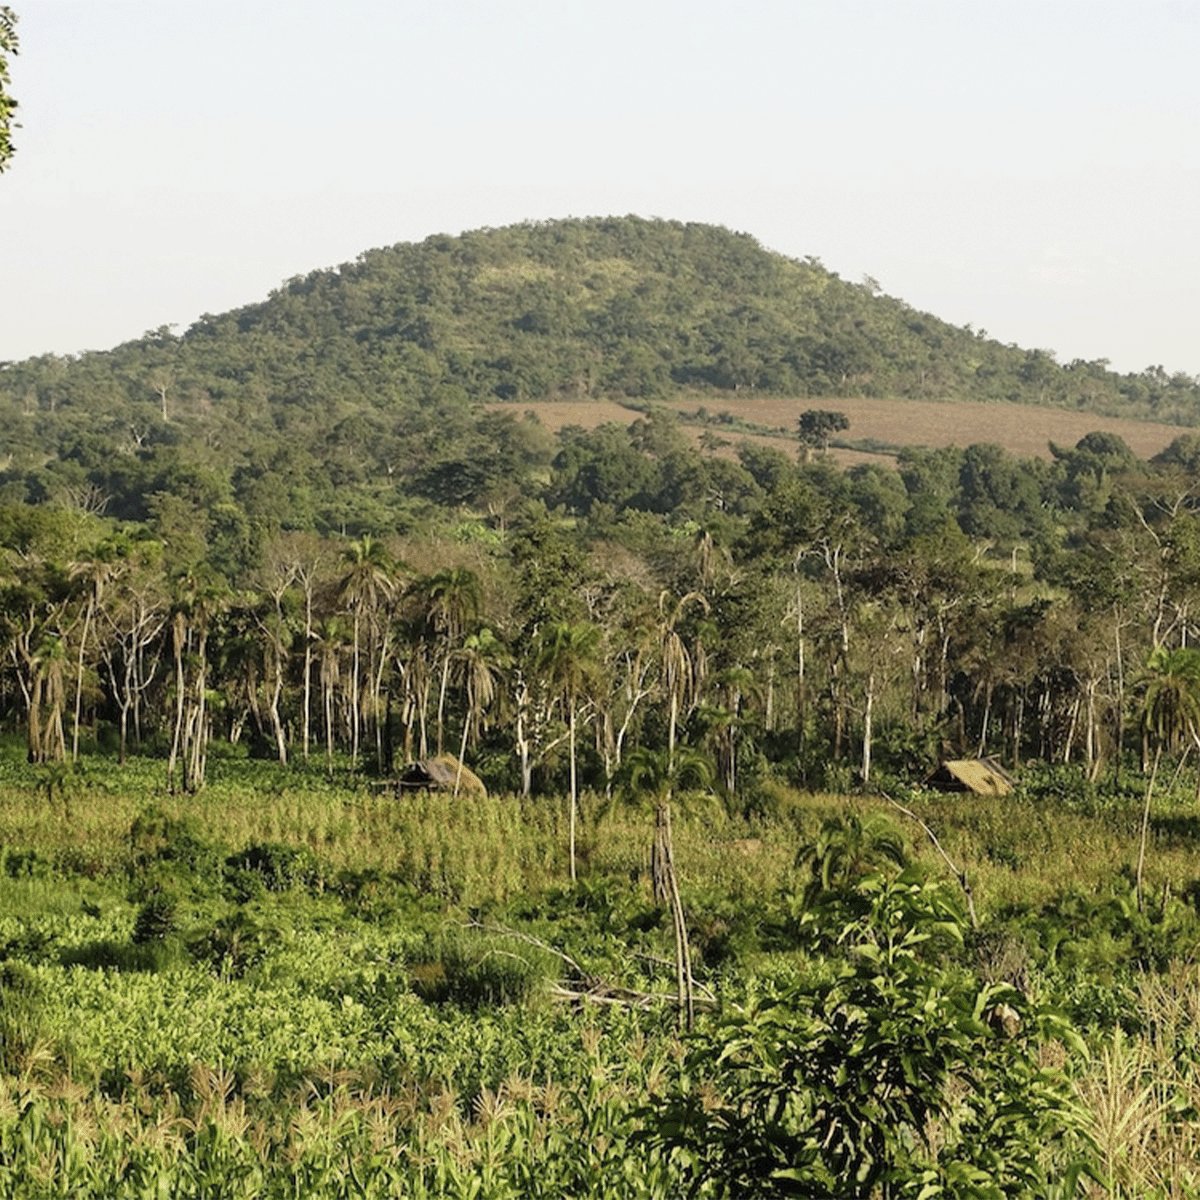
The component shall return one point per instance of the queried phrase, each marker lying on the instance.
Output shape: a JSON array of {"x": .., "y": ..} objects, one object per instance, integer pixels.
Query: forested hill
[
  {"x": 348, "y": 386},
  {"x": 611, "y": 307}
]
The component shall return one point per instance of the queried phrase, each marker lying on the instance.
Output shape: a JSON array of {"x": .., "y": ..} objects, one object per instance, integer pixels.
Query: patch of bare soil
[{"x": 1022, "y": 429}]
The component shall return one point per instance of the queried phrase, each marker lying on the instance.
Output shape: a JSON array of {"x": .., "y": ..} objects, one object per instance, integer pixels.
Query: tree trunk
[
  {"x": 574, "y": 792},
  {"x": 87, "y": 621},
  {"x": 1141, "y": 859},
  {"x": 868, "y": 711},
  {"x": 666, "y": 891}
]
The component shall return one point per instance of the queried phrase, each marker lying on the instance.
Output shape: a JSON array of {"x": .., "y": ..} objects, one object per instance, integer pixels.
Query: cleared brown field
[{"x": 1022, "y": 429}]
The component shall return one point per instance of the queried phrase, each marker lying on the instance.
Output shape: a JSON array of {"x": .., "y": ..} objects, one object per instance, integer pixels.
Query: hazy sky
[{"x": 1032, "y": 168}]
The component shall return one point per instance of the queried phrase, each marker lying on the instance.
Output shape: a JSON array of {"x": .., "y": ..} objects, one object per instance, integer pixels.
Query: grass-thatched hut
[
  {"x": 981, "y": 776},
  {"x": 441, "y": 774}
]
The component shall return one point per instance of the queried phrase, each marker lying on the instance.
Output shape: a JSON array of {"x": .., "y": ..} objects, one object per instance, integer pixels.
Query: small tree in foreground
[{"x": 894, "y": 1075}]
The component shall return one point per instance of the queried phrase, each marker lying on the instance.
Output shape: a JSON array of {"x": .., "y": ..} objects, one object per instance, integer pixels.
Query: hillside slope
[
  {"x": 576, "y": 308},
  {"x": 350, "y": 390}
]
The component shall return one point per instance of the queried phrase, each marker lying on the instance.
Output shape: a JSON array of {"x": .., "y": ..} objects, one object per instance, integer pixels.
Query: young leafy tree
[{"x": 893, "y": 1074}]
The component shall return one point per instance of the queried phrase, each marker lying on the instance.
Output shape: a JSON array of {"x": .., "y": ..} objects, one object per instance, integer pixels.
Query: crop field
[
  {"x": 1024, "y": 430},
  {"x": 287, "y": 985}
]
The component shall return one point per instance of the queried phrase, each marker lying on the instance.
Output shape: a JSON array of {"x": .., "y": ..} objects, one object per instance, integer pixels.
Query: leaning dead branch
[
  {"x": 591, "y": 988},
  {"x": 961, "y": 876}
]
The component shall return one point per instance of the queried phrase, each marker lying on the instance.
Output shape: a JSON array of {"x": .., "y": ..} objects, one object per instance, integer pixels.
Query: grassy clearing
[{"x": 284, "y": 983}]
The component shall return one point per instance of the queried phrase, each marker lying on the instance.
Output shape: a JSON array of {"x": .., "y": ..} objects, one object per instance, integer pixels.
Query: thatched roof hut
[
  {"x": 441, "y": 774},
  {"x": 982, "y": 776}
]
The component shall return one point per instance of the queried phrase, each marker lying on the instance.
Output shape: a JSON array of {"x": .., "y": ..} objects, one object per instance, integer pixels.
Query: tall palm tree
[
  {"x": 451, "y": 600},
  {"x": 47, "y": 741},
  {"x": 569, "y": 657},
  {"x": 329, "y": 636},
  {"x": 480, "y": 658},
  {"x": 1170, "y": 718},
  {"x": 367, "y": 583},
  {"x": 677, "y": 663}
]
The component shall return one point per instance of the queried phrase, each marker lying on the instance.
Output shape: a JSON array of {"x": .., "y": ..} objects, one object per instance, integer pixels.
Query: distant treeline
[{"x": 612, "y": 591}]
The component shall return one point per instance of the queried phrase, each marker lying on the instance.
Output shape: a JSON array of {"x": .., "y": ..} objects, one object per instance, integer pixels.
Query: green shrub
[
  {"x": 482, "y": 969},
  {"x": 22, "y": 1025},
  {"x": 157, "y": 919},
  {"x": 278, "y": 867},
  {"x": 155, "y": 837},
  {"x": 892, "y": 1074},
  {"x": 1064, "y": 785},
  {"x": 24, "y": 864},
  {"x": 235, "y": 944}
]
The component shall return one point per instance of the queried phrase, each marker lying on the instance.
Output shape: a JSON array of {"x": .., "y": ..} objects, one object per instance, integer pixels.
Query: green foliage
[
  {"x": 471, "y": 970},
  {"x": 1063, "y": 785},
  {"x": 235, "y": 944},
  {"x": 276, "y": 867},
  {"x": 352, "y": 400},
  {"x": 8, "y": 47},
  {"x": 157, "y": 919},
  {"x": 1108, "y": 935},
  {"x": 817, "y": 425},
  {"x": 22, "y": 1021},
  {"x": 382, "y": 1018},
  {"x": 893, "y": 1075},
  {"x": 156, "y": 837}
]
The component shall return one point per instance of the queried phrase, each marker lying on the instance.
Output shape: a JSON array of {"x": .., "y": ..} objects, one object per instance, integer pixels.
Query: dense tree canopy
[{"x": 770, "y": 613}]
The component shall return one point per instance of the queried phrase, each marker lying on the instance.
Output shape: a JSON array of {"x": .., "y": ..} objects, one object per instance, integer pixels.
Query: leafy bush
[
  {"x": 1063, "y": 784},
  {"x": 22, "y": 1025},
  {"x": 893, "y": 1075},
  {"x": 157, "y": 919},
  {"x": 472, "y": 971},
  {"x": 235, "y": 944},
  {"x": 846, "y": 851},
  {"x": 24, "y": 864},
  {"x": 274, "y": 866},
  {"x": 1108, "y": 935},
  {"x": 157, "y": 838}
]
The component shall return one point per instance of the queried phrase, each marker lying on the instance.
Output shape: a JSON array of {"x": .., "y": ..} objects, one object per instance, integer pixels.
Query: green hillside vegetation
[{"x": 370, "y": 376}]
